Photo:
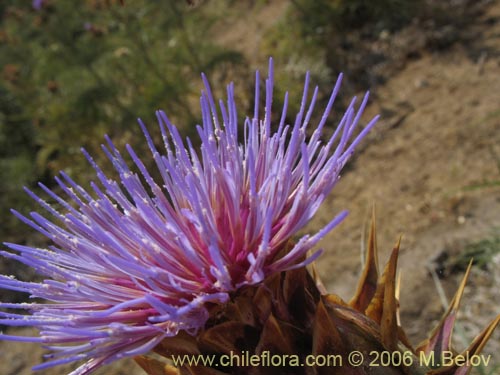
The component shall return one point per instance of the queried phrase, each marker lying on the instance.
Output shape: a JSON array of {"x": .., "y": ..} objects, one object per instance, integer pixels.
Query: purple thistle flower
[
  {"x": 136, "y": 260},
  {"x": 37, "y": 4}
]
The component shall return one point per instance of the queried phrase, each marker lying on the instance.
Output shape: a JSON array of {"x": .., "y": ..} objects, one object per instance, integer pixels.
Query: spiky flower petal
[{"x": 136, "y": 260}]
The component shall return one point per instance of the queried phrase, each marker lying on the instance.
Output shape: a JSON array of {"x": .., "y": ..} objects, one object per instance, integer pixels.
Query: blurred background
[{"x": 72, "y": 71}]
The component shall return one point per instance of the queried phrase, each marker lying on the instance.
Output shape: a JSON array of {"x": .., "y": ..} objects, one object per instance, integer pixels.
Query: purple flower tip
[
  {"x": 135, "y": 260},
  {"x": 37, "y": 4}
]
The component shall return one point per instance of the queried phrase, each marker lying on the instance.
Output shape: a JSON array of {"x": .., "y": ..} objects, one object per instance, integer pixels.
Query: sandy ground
[{"x": 427, "y": 169}]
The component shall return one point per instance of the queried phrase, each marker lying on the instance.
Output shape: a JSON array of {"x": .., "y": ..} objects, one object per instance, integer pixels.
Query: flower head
[
  {"x": 37, "y": 4},
  {"x": 135, "y": 260}
]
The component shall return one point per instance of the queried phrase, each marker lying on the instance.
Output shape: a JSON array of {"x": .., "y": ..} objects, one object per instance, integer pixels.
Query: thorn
[
  {"x": 440, "y": 338},
  {"x": 367, "y": 285},
  {"x": 388, "y": 324}
]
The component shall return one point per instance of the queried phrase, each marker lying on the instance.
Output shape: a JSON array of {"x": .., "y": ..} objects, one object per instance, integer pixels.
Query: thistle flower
[
  {"x": 37, "y": 4},
  {"x": 136, "y": 260}
]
